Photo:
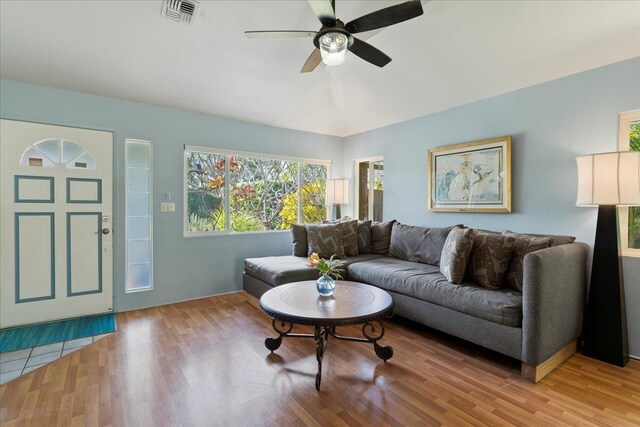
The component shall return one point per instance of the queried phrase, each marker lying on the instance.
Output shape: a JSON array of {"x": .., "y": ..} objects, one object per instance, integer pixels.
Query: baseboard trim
[
  {"x": 179, "y": 301},
  {"x": 538, "y": 372}
]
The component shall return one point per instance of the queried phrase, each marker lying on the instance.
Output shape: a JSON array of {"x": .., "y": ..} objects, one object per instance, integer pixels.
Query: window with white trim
[
  {"x": 629, "y": 217},
  {"x": 235, "y": 192},
  {"x": 138, "y": 211}
]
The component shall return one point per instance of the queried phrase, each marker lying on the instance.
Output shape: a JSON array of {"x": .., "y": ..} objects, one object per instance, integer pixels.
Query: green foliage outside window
[
  {"x": 311, "y": 211},
  {"x": 634, "y": 212},
  {"x": 263, "y": 193}
]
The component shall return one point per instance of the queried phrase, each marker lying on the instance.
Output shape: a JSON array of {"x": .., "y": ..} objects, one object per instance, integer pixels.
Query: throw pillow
[
  {"x": 350, "y": 234},
  {"x": 558, "y": 239},
  {"x": 381, "y": 237},
  {"x": 524, "y": 244},
  {"x": 418, "y": 244},
  {"x": 364, "y": 237},
  {"x": 325, "y": 240},
  {"x": 349, "y": 237},
  {"x": 490, "y": 258},
  {"x": 455, "y": 254},
  {"x": 299, "y": 240}
]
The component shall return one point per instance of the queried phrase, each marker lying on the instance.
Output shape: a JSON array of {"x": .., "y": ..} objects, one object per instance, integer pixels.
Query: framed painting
[{"x": 471, "y": 177}]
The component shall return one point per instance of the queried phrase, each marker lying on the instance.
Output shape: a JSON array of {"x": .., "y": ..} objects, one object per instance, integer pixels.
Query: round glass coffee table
[{"x": 352, "y": 303}]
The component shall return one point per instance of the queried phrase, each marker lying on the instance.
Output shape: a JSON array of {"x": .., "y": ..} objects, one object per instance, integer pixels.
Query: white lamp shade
[
  {"x": 333, "y": 48},
  {"x": 609, "y": 179},
  {"x": 337, "y": 191}
]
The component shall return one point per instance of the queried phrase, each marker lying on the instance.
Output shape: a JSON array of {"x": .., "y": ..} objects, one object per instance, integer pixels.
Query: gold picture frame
[{"x": 471, "y": 177}]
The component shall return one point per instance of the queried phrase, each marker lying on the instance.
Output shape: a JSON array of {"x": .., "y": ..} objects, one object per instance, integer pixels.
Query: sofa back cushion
[
  {"x": 524, "y": 244},
  {"x": 364, "y": 237},
  {"x": 558, "y": 239},
  {"x": 299, "y": 240},
  {"x": 349, "y": 237},
  {"x": 325, "y": 240},
  {"x": 418, "y": 244},
  {"x": 455, "y": 254},
  {"x": 381, "y": 237},
  {"x": 490, "y": 258}
]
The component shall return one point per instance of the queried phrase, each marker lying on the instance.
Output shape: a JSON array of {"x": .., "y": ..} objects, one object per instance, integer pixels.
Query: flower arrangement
[{"x": 330, "y": 267}]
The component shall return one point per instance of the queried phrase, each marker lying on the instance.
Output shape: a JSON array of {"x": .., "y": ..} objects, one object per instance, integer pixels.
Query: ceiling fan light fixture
[{"x": 333, "y": 48}]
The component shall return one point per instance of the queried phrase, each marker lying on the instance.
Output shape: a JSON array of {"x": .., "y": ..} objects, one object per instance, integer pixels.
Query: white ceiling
[{"x": 456, "y": 53}]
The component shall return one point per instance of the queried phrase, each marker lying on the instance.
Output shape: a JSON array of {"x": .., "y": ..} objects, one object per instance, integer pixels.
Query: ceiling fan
[{"x": 335, "y": 37}]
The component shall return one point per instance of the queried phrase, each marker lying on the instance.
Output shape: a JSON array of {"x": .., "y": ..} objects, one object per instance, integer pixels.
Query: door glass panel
[
  {"x": 51, "y": 149},
  {"x": 138, "y": 183},
  {"x": 634, "y": 212},
  {"x": 70, "y": 150},
  {"x": 83, "y": 162},
  {"x": 378, "y": 175},
  {"x": 137, "y": 228},
  {"x": 138, "y": 277},
  {"x": 363, "y": 190},
  {"x": 138, "y": 251},
  {"x": 137, "y": 156},
  {"x": 35, "y": 158},
  {"x": 138, "y": 179},
  {"x": 137, "y": 204},
  {"x": 370, "y": 190}
]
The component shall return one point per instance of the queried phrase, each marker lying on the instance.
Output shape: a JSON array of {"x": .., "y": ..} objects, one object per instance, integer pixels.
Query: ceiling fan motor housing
[{"x": 337, "y": 28}]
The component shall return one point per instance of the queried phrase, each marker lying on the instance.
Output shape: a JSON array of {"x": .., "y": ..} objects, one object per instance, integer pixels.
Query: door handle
[{"x": 103, "y": 231}]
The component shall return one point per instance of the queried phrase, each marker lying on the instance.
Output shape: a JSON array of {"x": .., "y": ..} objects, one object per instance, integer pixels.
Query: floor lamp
[
  {"x": 337, "y": 193},
  {"x": 607, "y": 180}
]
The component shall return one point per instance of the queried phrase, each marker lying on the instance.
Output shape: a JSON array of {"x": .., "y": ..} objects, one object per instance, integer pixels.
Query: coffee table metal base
[{"x": 371, "y": 334}]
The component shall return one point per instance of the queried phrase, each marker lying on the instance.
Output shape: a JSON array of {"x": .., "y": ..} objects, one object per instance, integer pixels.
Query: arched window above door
[{"x": 53, "y": 151}]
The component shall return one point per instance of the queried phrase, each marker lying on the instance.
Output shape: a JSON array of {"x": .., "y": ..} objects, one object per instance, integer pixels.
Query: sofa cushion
[
  {"x": 278, "y": 270},
  {"x": 299, "y": 240},
  {"x": 489, "y": 259},
  {"x": 381, "y": 236},
  {"x": 419, "y": 244},
  {"x": 349, "y": 237},
  {"x": 524, "y": 245},
  {"x": 325, "y": 240},
  {"x": 455, "y": 253},
  {"x": 425, "y": 282},
  {"x": 558, "y": 239},
  {"x": 364, "y": 237}
]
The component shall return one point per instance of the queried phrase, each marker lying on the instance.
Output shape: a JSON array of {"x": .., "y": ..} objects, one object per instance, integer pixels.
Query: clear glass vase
[{"x": 325, "y": 285}]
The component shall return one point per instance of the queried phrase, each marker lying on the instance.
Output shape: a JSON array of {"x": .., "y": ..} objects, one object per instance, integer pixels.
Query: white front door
[{"x": 56, "y": 250}]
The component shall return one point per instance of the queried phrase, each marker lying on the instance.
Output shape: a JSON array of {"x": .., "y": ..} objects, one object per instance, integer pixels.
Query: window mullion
[
  {"x": 300, "y": 193},
  {"x": 227, "y": 193}
]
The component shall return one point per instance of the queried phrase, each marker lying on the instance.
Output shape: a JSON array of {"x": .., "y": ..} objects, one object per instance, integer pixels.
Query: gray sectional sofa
[{"x": 538, "y": 326}]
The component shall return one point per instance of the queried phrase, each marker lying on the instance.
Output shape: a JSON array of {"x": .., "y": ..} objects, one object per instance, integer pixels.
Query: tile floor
[{"x": 19, "y": 362}]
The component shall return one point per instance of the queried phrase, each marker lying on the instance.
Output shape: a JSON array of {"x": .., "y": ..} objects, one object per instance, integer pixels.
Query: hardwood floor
[{"x": 203, "y": 362}]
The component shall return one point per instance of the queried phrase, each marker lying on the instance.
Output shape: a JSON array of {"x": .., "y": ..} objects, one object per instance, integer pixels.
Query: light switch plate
[{"x": 167, "y": 207}]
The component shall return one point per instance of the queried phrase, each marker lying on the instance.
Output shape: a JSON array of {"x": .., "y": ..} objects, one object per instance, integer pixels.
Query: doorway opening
[{"x": 370, "y": 188}]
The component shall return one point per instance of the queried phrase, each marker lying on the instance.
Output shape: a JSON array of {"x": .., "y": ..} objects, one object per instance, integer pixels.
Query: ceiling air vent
[{"x": 180, "y": 10}]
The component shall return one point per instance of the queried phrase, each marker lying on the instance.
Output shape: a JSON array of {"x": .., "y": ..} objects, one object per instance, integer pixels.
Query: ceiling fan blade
[
  {"x": 312, "y": 61},
  {"x": 325, "y": 11},
  {"x": 279, "y": 34},
  {"x": 385, "y": 17},
  {"x": 369, "y": 53}
]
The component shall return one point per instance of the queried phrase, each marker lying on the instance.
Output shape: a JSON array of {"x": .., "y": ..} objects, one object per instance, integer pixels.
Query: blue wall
[
  {"x": 550, "y": 123},
  {"x": 184, "y": 268}
]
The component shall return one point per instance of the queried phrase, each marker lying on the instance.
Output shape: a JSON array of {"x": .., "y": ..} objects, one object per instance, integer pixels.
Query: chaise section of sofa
[{"x": 262, "y": 274}]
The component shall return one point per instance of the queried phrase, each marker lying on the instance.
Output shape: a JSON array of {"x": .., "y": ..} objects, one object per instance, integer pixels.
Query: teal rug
[{"x": 49, "y": 333}]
